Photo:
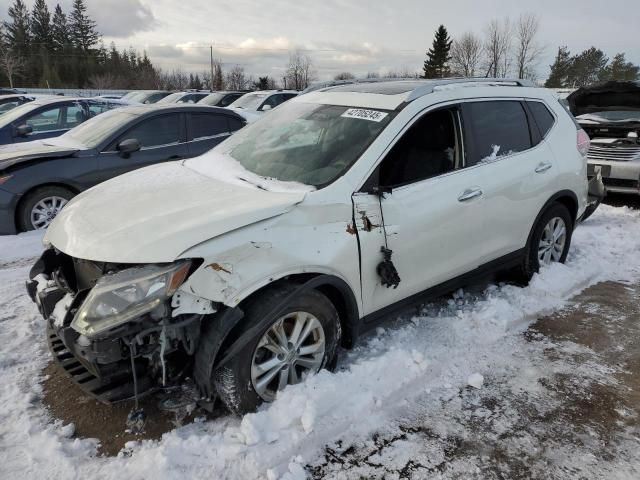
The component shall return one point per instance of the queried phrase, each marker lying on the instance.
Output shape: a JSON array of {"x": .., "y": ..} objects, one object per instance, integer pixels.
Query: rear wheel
[
  {"x": 298, "y": 342},
  {"x": 41, "y": 206},
  {"x": 549, "y": 242}
]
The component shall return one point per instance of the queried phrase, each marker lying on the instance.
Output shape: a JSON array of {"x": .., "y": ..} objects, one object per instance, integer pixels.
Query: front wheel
[
  {"x": 41, "y": 206},
  {"x": 298, "y": 342},
  {"x": 549, "y": 242}
]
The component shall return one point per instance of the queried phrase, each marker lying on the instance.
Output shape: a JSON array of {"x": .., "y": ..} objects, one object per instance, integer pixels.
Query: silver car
[{"x": 610, "y": 114}]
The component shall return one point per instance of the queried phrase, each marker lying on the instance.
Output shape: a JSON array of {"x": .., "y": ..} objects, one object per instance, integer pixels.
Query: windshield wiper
[{"x": 254, "y": 184}]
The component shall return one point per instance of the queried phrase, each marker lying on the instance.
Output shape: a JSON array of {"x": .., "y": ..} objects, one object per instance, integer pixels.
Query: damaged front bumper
[{"x": 154, "y": 347}]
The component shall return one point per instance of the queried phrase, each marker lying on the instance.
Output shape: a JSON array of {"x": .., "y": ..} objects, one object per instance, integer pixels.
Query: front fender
[{"x": 305, "y": 240}]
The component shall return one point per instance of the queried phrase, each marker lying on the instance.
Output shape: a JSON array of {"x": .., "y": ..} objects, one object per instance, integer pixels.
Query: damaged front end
[{"x": 119, "y": 330}]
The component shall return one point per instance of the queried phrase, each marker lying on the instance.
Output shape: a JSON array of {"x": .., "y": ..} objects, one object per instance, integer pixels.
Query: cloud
[{"x": 122, "y": 18}]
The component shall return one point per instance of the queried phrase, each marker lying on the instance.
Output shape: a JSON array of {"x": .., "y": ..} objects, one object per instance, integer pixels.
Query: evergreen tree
[
  {"x": 560, "y": 69},
  {"x": 82, "y": 28},
  {"x": 17, "y": 29},
  {"x": 620, "y": 69},
  {"x": 59, "y": 30},
  {"x": 436, "y": 64},
  {"x": 40, "y": 25},
  {"x": 587, "y": 68}
]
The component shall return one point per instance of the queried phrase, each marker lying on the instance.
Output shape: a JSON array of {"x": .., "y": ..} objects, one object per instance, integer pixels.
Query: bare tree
[
  {"x": 466, "y": 53},
  {"x": 11, "y": 64},
  {"x": 527, "y": 51},
  {"x": 402, "y": 72},
  {"x": 237, "y": 79},
  {"x": 497, "y": 45},
  {"x": 300, "y": 71},
  {"x": 373, "y": 75},
  {"x": 105, "y": 81},
  {"x": 344, "y": 76}
]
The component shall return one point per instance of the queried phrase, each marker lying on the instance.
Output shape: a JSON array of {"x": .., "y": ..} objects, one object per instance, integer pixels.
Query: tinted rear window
[
  {"x": 542, "y": 116},
  {"x": 205, "y": 125},
  {"x": 495, "y": 129}
]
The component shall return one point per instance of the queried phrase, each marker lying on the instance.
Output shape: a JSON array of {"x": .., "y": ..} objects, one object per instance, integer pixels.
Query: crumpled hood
[
  {"x": 604, "y": 97},
  {"x": 154, "y": 214},
  {"x": 23, "y": 152}
]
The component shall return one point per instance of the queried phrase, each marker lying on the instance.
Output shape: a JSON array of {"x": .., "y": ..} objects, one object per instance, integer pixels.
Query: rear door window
[
  {"x": 495, "y": 129},
  {"x": 542, "y": 116},
  {"x": 206, "y": 125}
]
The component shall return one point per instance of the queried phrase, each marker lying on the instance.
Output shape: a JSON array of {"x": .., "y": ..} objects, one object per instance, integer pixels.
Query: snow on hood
[
  {"x": 154, "y": 214},
  {"x": 15, "y": 153},
  {"x": 605, "y": 97}
]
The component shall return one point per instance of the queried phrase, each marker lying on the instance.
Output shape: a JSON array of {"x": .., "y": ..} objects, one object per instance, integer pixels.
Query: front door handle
[
  {"x": 470, "y": 193},
  {"x": 175, "y": 157},
  {"x": 543, "y": 167}
]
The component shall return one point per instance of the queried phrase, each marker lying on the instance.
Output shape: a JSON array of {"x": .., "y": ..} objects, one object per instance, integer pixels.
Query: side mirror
[
  {"x": 24, "y": 130},
  {"x": 128, "y": 146},
  {"x": 265, "y": 108}
]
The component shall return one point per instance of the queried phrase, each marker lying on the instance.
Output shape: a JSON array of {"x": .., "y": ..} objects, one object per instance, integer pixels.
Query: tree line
[
  {"x": 512, "y": 49},
  {"x": 64, "y": 49}
]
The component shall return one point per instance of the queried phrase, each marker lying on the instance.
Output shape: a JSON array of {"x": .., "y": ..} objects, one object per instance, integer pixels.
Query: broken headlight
[{"x": 128, "y": 294}]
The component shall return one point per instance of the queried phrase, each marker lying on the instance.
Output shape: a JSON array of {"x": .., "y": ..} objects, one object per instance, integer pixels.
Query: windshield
[
  {"x": 17, "y": 112},
  {"x": 251, "y": 101},
  {"x": 612, "y": 115},
  {"x": 173, "y": 98},
  {"x": 212, "y": 99},
  {"x": 98, "y": 129},
  {"x": 305, "y": 142}
]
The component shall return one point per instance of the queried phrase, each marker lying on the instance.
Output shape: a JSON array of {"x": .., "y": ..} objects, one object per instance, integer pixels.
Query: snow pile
[{"x": 469, "y": 339}]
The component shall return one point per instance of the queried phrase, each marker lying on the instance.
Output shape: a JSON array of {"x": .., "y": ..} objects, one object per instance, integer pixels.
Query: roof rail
[{"x": 430, "y": 85}]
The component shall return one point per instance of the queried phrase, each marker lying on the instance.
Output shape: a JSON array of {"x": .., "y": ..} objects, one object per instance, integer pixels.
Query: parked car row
[
  {"x": 245, "y": 268},
  {"x": 38, "y": 178}
]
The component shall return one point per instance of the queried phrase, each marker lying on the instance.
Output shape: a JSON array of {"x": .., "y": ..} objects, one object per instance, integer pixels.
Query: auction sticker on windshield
[{"x": 365, "y": 114}]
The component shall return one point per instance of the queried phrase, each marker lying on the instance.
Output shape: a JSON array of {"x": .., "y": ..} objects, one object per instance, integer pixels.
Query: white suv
[{"x": 247, "y": 267}]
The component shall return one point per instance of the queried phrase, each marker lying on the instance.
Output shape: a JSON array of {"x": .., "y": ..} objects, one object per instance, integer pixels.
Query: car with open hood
[
  {"x": 245, "y": 269},
  {"x": 38, "y": 178},
  {"x": 610, "y": 114}
]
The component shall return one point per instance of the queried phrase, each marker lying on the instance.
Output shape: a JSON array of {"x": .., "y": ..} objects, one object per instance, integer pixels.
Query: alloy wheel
[
  {"x": 552, "y": 242},
  {"x": 45, "y": 211},
  {"x": 290, "y": 350}
]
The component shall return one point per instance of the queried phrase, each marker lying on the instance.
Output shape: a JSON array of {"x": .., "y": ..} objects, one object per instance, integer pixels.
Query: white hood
[{"x": 154, "y": 214}]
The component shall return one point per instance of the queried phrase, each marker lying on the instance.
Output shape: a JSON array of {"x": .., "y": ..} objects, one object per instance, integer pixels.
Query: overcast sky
[{"x": 344, "y": 35}]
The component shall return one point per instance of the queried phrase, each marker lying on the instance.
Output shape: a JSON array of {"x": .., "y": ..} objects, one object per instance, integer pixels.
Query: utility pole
[{"x": 211, "y": 81}]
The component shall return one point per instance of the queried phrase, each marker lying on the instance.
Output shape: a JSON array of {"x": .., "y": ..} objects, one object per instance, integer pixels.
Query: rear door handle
[
  {"x": 470, "y": 193},
  {"x": 543, "y": 167}
]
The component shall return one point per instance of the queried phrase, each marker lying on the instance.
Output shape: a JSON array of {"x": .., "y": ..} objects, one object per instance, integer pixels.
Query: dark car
[
  {"x": 9, "y": 102},
  {"x": 49, "y": 117},
  {"x": 145, "y": 96},
  {"x": 221, "y": 99},
  {"x": 38, "y": 178},
  {"x": 9, "y": 91},
  {"x": 183, "y": 97}
]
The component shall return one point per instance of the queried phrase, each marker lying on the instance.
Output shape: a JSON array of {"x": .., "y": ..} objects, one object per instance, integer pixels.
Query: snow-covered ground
[{"x": 413, "y": 368}]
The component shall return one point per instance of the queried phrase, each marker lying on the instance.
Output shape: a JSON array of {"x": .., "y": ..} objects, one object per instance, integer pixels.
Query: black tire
[
  {"x": 530, "y": 263},
  {"x": 32, "y": 199},
  {"x": 232, "y": 381}
]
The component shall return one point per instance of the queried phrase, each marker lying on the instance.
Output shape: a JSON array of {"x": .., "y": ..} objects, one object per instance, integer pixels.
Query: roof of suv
[{"x": 390, "y": 94}]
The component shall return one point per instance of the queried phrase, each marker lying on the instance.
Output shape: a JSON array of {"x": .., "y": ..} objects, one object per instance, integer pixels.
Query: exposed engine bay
[{"x": 117, "y": 329}]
